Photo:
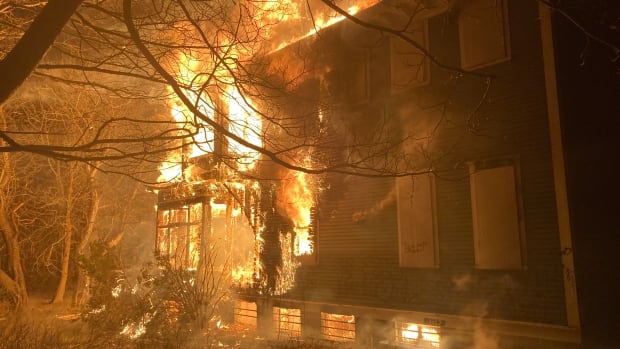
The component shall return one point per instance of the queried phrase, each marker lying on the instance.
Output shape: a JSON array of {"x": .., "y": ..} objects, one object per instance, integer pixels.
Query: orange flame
[
  {"x": 245, "y": 123},
  {"x": 198, "y": 138},
  {"x": 285, "y": 22},
  {"x": 281, "y": 23},
  {"x": 286, "y": 273},
  {"x": 296, "y": 199},
  {"x": 243, "y": 119}
]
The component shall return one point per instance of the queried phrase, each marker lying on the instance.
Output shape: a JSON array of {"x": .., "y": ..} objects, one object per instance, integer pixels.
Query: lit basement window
[
  {"x": 287, "y": 322},
  {"x": 245, "y": 314},
  {"x": 338, "y": 327},
  {"x": 416, "y": 335}
]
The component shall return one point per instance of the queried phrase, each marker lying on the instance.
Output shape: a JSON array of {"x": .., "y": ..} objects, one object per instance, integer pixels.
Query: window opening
[
  {"x": 287, "y": 322},
  {"x": 338, "y": 327}
]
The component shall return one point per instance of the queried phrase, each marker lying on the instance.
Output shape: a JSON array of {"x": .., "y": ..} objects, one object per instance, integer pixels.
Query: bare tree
[
  {"x": 12, "y": 276},
  {"x": 56, "y": 202}
]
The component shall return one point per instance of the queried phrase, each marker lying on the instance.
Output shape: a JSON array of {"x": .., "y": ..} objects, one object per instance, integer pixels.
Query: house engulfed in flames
[{"x": 465, "y": 255}]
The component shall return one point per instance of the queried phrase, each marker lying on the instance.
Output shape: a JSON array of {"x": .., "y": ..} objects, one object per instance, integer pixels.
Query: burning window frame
[
  {"x": 416, "y": 335},
  {"x": 287, "y": 322},
  {"x": 245, "y": 314},
  {"x": 338, "y": 327},
  {"x": 184, "y": 228}
]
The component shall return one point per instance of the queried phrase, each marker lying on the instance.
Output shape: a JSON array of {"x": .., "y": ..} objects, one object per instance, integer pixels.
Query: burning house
[{"x": 455, "y": 242}]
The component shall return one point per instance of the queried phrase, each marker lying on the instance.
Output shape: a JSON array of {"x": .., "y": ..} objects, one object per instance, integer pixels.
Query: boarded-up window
[
  {"x": 245, "y": 314},
  {"x": 498, "y": 239},
  {"x": 416, "y": 221},
  {"x": 484, "y": 33},
  {"x": 287, "y": 322},
  {"x": 338, "y": 327},
  {"x": 358, "y": 76},
  {"x": 409, "y": 66}
]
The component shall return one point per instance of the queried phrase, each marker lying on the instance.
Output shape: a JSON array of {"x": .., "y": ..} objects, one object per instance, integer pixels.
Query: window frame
[
  {"x": 245, "y": 313},
  {"x": 420, "y": 341},
  {"x": 363, "y": 66},
  {"x": 432, "y": 182},
  {"x": 294, "y": 319},
  {"x": 467, "y": 65},
  {"x": 490, "y": 164},
  {"x": 425, "y": 64},
  {"x": 325, "y": 320},
  {"x": 165, "y": 229}
]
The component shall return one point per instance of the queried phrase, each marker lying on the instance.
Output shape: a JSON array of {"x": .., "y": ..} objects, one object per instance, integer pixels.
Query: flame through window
[
  {"x": 416, "y": 335},
  {"x": 179, "y": 232}
]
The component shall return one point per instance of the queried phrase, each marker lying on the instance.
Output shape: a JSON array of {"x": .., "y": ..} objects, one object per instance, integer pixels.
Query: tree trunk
[
  {"x": 14, "y": 280},
  {"x": 68, "y": 238},
  {"x": 17, "y": 65},
  {"x": 80, "y": 294}
]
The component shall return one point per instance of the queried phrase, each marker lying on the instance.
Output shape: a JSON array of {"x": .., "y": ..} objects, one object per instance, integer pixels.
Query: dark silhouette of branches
[
  {"x": 17, "y": 65},
  {"x": 557, "y": 8},
  {"x": 401, "y": 33}
]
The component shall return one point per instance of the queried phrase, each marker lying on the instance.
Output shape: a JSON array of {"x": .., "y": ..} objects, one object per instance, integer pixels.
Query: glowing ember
[
  {"x": 116, "y": 291},
  {"x": 134, "y": 330}
]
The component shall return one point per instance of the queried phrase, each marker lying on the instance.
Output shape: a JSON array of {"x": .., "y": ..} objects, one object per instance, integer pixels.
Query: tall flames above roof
[
  {"x": 210, "y": 78},
  {"x": 292, "y": 20}
]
